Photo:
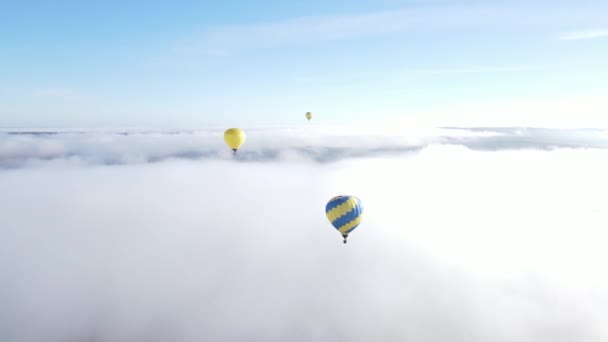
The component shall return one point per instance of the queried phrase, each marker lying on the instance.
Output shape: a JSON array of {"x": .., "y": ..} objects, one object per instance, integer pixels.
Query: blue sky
[{"x": 195, "y": 63}]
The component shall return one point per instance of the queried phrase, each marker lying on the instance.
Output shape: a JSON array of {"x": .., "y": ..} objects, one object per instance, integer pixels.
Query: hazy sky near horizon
[{"x": 181, "y": 63}]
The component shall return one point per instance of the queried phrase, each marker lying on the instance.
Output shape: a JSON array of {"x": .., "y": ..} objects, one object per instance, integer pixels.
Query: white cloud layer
[
  {"x": 26, "y": 148},
  {"x": 457, "y": 244}
]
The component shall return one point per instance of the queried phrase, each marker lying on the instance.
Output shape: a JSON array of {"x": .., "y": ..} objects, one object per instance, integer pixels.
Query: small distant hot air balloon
[
  {"x": 344, "y": 213},
  {"x": 234, "y": 138},
  {"x": 308, "y": 115}
]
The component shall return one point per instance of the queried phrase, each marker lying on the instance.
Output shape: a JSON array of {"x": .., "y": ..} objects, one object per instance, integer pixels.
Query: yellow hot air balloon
[
  {"x": 234, "y": 138},
  {"x": 308, "y": 115}
]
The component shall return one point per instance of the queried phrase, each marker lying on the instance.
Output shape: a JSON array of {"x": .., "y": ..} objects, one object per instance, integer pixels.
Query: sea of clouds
[
  {"x": 26, "y": 148},
  {"x": 480, "y": 234}
]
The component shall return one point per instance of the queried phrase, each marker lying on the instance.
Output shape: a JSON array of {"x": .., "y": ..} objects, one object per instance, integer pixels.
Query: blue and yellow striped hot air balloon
[{"x": 344, "y": 213}]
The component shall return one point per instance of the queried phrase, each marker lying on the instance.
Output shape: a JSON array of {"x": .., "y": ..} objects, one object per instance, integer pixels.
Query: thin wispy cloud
[
  {"x": 56, "y": 93},
  {"x": 366, "y": 78},
  {"x": 337, "y": 27},
  {"x": 584, "y": 34},
  {"x": 468, "y": 70},
  {"x": 311, "y": 29}
]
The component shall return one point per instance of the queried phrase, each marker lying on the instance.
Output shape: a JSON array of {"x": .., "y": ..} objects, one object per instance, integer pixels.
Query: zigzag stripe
[
  {"x": 350, "y": 226},
  {"x": 346, "y": 218},
  {"x": 342, "y": 209},
  {"x": 334, "y": 202}
]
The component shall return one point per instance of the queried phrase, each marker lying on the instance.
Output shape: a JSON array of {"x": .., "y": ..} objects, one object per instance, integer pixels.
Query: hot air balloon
[
  {"x": 308, "y": 115},
  {"x": 234, "y": 138},
  {"x": 344, "y": 213}
]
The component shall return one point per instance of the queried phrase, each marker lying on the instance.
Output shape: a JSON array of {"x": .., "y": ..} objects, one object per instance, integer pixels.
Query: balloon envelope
[
  {"x": 344, "y": 213},
  {"x": 308, "y": 115},
  {"x": 234, "y": 138}
]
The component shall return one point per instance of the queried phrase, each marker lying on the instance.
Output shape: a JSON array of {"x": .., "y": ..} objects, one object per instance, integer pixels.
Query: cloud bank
[
  {"x": 23, "y": 148},
  {"x": 457, "y": 243}
]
